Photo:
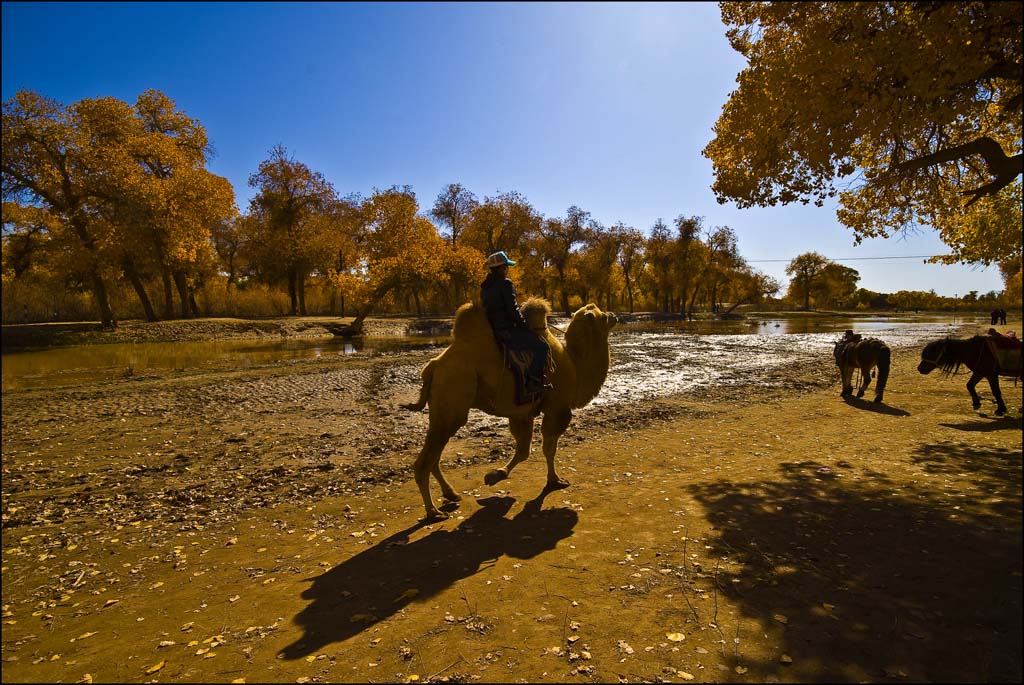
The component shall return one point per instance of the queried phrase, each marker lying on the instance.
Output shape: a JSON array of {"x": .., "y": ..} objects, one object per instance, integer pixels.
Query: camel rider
[{"x": 498, "y": 296}]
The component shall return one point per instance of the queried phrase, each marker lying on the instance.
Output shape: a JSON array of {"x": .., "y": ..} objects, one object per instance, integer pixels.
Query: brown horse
[
  {"x": 864, "y": 354},
  {"x": 948, "y": 354}
]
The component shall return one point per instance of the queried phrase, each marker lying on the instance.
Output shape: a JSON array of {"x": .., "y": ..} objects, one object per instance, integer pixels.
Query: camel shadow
[
  {"x": 877, "y": 407},
  {"x": 382, "y": 580}
]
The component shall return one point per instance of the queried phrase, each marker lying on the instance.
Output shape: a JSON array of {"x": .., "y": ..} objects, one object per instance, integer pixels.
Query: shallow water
[
  {"x": 648, "y": 365},
  {"x": 84, "y": 364},
  {"x": 649, "y": 360}
]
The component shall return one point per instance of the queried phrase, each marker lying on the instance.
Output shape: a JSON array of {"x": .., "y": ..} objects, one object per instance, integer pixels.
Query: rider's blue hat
[{"x": 499, "y": 259}]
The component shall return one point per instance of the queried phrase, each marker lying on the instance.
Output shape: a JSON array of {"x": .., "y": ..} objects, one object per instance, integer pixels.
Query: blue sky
[{"x": 601, "y": 105}]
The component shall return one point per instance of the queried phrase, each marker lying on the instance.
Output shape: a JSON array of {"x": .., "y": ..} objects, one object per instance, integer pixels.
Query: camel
[{"x": 470, "y": 373}]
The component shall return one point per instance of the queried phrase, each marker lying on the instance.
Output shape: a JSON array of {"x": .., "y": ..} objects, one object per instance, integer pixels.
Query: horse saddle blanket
[{"x": 1007, "y": 352}]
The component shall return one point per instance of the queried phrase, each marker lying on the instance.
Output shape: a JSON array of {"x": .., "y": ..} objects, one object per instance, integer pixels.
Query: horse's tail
[
  {"x": 884, "y": 362},
  {"x": 428, "y": 377}
]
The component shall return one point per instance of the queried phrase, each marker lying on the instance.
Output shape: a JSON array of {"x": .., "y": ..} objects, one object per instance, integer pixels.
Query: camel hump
[
  {"x": 535, "y": 310},
  {"x": 471, "y": 324}
]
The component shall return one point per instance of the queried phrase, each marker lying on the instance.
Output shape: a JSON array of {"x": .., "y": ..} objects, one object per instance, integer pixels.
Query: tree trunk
[
  {"x": 416, "y": 299},
  {"x": 99, "y": 288},
  {"x": 182, "y": 284},
  {"x": 140, "y": 290},
  {"x": 165, "y": 274},
  {"x": 300, "y": 277},
  {"x": 292, "y": 294},
  {"x": 231, "y": 272},
  {"x": 356, "y": 327},
  {"x": 99, "y": 291},
  {"x": 733, "y": 306}
]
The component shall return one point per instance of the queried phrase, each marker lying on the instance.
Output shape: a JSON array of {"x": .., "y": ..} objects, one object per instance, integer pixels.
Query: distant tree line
[{"x": 109, "y": 211}]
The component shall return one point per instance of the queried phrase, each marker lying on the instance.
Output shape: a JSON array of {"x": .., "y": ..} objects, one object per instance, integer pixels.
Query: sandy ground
[{"x": 262, "y": 525}]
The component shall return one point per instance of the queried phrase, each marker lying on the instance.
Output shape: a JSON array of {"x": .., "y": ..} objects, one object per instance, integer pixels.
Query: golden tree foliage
[
  {"x": 292, "y": 215},
  {"x": 923, "y": 98},
  {"x": 125, "y": 186}
]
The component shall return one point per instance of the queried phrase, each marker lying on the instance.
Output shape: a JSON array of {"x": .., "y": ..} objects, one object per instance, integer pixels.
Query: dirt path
[{"x": 262, "y": 526}]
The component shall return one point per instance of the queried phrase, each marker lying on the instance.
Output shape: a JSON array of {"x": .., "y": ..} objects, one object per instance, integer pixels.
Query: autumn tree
[
  {"x": 346, "y": 238},
  {"x": 721, "y": 258},
  {"x": 631, "y": 258},
  {"x": 688, "y": 230},
  {"x": 659, "y": 254},
  {"x": 401, "y": 250},
  {"x": 502, "y": 222},
  {"x": 126, "y": 185},
  {"x": 560, "y": 239},
  {"x": 49, "y": 152},
  {"x": 747, "y": 285},
  {"x": 1010, "y": 270},
  {"x": 835, "y": 285},
  {"x": 918, "y": 103},
  {"x": 292, "y": 208},
  {"x": 597, "y": 265},
  {"x": 177, "y": 202},
  {"x": 805, "y": 270},
  {"x": 452, "y": 208}
]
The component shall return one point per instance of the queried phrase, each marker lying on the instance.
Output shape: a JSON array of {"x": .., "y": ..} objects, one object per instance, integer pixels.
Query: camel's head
[
  {"x": 590, "y": 321},
  {"x": 586, "y": 341}
]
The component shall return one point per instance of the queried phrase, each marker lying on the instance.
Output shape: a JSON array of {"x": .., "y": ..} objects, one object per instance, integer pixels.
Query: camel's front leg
[
  {"x": 522, "y": 431},
  {"x": 552, "y": 427}
]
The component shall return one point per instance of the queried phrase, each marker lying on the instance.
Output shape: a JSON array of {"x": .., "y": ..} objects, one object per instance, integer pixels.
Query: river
[{"x": 649, "y": 360}]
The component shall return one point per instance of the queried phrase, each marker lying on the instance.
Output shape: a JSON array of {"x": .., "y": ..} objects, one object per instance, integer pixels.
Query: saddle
[
  {"x": 847, "y": 354},
  {"x": 1007, "y": 351},
  {"x": 522, "y": 362}
]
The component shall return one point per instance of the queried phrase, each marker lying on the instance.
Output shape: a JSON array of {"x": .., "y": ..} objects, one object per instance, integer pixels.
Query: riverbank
[
  {"x": 42, "y": 335},
  {"x": 261, "y": 525},
  {"x": 58, "y": 334}
]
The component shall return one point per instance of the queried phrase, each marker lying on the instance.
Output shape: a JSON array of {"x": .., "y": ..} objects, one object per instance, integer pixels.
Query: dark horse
[
  {"x": 864, "y": 354},
  {"x": 949, "y": 354}
]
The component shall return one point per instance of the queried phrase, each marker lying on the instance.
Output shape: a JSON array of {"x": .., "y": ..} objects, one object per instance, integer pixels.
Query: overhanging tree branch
[{"x": 1003, "y": 167}]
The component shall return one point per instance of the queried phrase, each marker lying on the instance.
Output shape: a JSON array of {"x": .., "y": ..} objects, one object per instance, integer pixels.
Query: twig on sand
[{"x": 434, "y": 675}]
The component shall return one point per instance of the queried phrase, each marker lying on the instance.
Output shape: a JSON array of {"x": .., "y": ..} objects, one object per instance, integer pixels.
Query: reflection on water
[
  {"x": 90, "y": 363},
  {"x": 648, "y": 359}
]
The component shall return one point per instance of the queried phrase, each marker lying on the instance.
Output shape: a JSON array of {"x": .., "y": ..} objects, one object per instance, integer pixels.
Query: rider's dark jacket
[{"x": 498, "y": 296}]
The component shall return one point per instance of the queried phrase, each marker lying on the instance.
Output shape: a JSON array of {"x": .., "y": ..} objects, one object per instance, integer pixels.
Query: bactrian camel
[{"x": 470, "y": 373}]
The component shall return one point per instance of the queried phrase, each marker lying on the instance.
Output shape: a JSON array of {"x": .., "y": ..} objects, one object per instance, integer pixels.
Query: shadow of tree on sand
[
  {"x": 372, "y": 585},
  {"x": 881, "y": 581},
  {"x": 997, "y": 470},
  {"x": 877, "y": 407},
  {"x": 996, "y": 424}
]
